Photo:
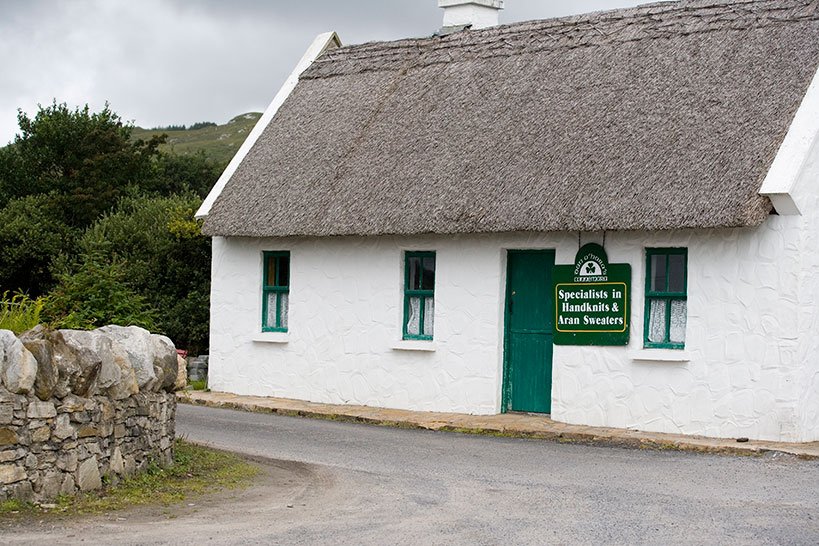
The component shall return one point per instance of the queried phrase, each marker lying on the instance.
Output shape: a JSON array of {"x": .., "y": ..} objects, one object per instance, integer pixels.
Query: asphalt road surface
[{"x": 340, "y": 483}]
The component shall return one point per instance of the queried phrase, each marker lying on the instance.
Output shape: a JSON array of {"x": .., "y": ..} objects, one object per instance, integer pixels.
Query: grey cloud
[{"x": 181, "y": 61}]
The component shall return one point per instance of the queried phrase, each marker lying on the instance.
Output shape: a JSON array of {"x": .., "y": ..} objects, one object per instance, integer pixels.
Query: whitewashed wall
[
  {"x": 749, "y": 367},
  {"x": 807, "y": 191}
]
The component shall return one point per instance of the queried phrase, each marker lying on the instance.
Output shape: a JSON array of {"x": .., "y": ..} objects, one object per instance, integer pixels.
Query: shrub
[
  {"x": 97, "y": 294},
  {"x": 167, "y": 259}
]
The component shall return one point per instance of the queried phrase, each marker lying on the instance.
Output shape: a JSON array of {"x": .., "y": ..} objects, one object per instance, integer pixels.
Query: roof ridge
[{"x": 649, "y": 21}]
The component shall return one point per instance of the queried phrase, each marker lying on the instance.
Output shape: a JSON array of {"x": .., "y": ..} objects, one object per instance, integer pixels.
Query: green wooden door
[{"x": 529, "y": 330}]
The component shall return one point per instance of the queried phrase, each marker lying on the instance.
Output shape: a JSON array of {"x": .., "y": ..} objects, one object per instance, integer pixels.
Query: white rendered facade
[{"x": 750, "y": 366}]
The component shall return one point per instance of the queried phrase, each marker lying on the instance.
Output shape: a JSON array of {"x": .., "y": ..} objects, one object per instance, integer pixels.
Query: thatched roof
[{"x": 659, "y": 117}]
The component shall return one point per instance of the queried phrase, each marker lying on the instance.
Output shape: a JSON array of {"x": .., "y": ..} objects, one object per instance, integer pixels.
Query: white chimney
[{"x": 472, "y": 13}]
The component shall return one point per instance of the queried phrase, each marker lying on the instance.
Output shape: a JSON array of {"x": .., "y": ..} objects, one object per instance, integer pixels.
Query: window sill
[
  {"x": 660, "y": 355},
  {"x": 271, "y": 337},
  {"x": 414, "y": 345}
]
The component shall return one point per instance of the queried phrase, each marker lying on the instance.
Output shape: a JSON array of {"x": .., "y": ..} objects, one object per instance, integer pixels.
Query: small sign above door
[{"x": 592, "y": 300}]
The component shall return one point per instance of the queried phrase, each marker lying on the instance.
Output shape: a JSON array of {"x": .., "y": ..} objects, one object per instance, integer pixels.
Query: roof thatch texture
[{"x": 658, "y": 117}]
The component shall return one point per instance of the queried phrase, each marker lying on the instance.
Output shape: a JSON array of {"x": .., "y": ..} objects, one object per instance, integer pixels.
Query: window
[
  {"x": 666, "y": 295},
  {"x": 419, "y": 295},
  {"x": 275, "y": 291}
]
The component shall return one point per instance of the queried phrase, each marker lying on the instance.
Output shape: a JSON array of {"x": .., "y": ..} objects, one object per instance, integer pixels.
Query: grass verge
[
  {"x": 198, "y": 385},
  {"x": 195, "y": 471}
]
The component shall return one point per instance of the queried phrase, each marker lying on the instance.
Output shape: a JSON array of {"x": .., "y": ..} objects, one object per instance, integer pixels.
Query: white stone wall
[
  {"x": 807, "y": 193},
  {"x": 743, "y": 373}
]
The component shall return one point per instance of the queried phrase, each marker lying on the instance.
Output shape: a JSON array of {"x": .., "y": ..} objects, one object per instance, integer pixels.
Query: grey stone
[
  {"x": 6, "y": 414},
  {"x": 67, "y": 461},
  {"x": 41, "y": 434},
  {"x": 127, "y": 385},
  {"x": 22, "y": 490},
  {"x": 8, "y": 455},
  {"x": 138, "y": 347},
  {"x": 110, "y": 372},
  {"x": 156, "y": 384},
  {"x": 11, "y": 473},
  {"x": 119, "y": 431},
  {"x": 46, "y": 460},
  {"x": 52, "y": 482},
  {"x": 18, "y": 368},
  {"x": 68, "y": 486},
  {"x": 165, "y": 356},
  {"x": 181, "y": 374},
  {"x": 71, "y": 378},
  {"x": 38, "y": 342},
  {"x": 130, "y": 465},
  {"x": 89, "y": 353},
  {"x": 71, "y": 404},
  {"x": 37, "y": 409},
  {"x": 47, "y": 372},
  {"x": 88, "y": 475},
  {"x": 198, "y": 368},
  {"x": 117, "y": 463},
  {"x": 62, "y": 428}
]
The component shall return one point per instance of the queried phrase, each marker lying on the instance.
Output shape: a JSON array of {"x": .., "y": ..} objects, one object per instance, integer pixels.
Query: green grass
[
  {"x": 218, "y": 143},
  {"x": 198, "y": 384},
  {"x": 19, "y": 313},
  {"x": 195, "y": 471}
]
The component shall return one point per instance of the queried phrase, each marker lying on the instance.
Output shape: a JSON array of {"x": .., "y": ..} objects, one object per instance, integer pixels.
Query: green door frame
[{"x": 506, "y": 383}]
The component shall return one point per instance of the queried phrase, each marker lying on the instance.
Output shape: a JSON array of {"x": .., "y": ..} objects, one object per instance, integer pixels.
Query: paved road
[
  {"x": 379, "y": 485},
  {"x": 339, "y": 483}
]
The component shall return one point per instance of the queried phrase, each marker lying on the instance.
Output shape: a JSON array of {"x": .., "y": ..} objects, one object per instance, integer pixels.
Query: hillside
[{"x": 218, "y": 142}]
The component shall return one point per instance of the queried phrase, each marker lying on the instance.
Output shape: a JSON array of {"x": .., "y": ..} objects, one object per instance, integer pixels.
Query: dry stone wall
[{"x": 76, "y": 406}]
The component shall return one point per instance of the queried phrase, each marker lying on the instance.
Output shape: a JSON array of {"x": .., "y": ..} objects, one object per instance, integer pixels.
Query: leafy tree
[
  {"x": 83, "y": 160},
  {"x": 32, "y": 235}
]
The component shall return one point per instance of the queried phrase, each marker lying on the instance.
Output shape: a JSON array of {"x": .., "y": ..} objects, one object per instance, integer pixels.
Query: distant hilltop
[{"x": 217, "y": 142}]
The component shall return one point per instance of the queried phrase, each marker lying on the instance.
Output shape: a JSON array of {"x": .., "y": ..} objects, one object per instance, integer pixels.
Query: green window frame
[
  {"x": 666, "y": 307},
  {"x": 419, "y": 295},
  {"x": 275, "y": 290}
]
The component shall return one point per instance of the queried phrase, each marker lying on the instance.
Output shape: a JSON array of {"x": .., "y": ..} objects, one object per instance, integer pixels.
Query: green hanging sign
[{"x": 592, "y": 300}]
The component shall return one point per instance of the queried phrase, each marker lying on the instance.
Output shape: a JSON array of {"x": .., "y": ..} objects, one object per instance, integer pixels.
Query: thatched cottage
[{"x": 612, "y": 218}]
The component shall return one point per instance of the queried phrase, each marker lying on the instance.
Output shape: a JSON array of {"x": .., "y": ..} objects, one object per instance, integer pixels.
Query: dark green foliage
[
  {"x": 170, "y": 128},
  {"x": 84, "y": 161},
  {"x": 178, "y": 174},
  {"x": 97, "y": 293},
  {"x": 167, "y": 257},
  {"x": 32, "y": 234},
  {"x": 201, "y": 125}
]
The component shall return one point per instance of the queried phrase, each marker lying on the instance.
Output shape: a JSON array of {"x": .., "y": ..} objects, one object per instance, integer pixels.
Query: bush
[
  {"x": 97, "y": 294},
  {"x": 167, "y": 260}
]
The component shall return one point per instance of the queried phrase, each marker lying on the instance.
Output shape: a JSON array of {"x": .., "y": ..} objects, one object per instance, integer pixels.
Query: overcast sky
[{"x": 163, "y": 62}]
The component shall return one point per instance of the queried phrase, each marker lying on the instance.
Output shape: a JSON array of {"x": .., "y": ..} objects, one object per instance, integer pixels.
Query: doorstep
[{"x": 508, "y": 424}]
